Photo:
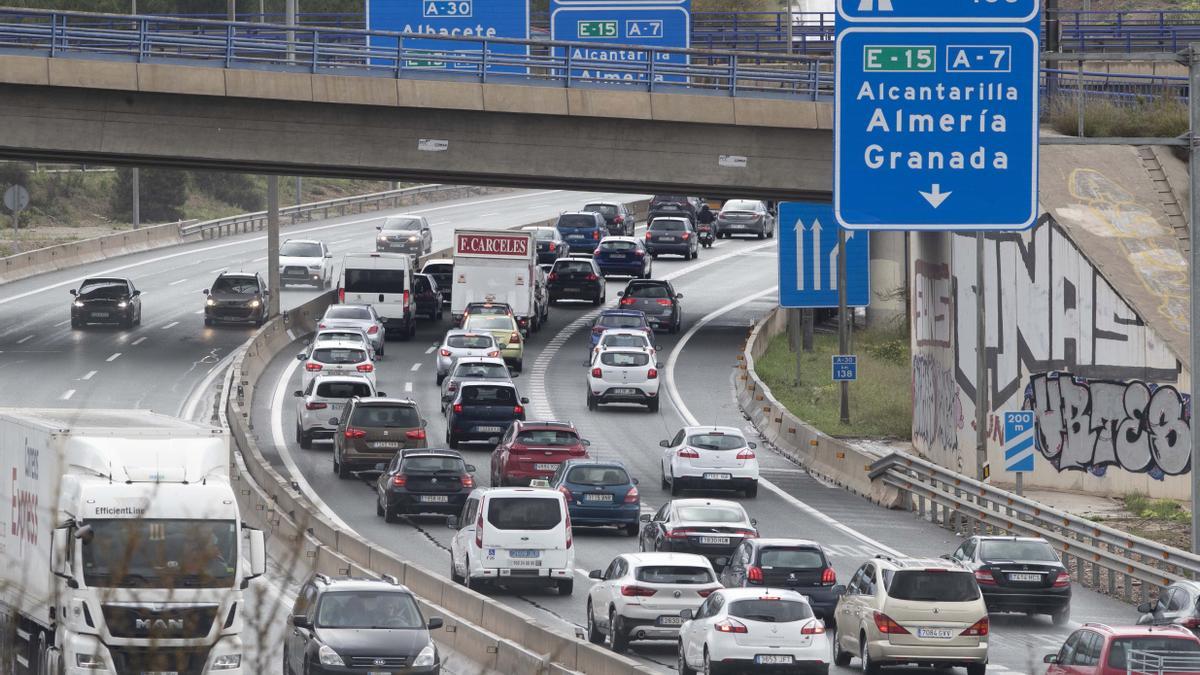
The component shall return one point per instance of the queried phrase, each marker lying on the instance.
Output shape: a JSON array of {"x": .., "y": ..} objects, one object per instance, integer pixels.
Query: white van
[
  {"x": 513, "y": 536},
  {"x": 384, "y": 281}
]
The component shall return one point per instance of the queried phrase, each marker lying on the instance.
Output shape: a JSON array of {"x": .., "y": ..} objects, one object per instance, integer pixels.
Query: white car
[
  {"x": 714, "y": 458},
  {"x": 640, "y": 595},
  {"x": 355, "y": 335},
  {"x": 336, "y": 358},
  {"x": 323, "y": 400},
  {"x": 623, "y": 375},
  {"x": 305, "y": 261},
  {"x": 617, "y": 338},
  {"x": 460, "y": 343},
  {"x": 752, "y": 629}
]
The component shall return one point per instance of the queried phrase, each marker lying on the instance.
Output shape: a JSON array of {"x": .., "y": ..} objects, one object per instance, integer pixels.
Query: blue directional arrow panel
[
  {"x": 938, "y": 11},
  {"x": 636, "y": 26},
  {"x": 1018, "y": 440},
  {"x": 808, "y": 258},
  {"x": 936, "y": 128},
  {"x": 458, "y": 18}
]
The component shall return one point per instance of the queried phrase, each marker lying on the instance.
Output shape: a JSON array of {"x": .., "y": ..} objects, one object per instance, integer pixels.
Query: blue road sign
[
  {"x": 943, "y": 11},
  {"x": 1018, "y": 440},
  {"x": 633, "y": 25},
  {"x": 845, "y": 367},
  {"x": 936, "y": 128},
  {"x": 459, "y": 18},
  {"x": 808, "y": 258}
]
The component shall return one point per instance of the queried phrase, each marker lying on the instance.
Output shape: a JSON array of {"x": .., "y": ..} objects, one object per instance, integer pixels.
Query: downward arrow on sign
[{"x": 935, "y": 196}]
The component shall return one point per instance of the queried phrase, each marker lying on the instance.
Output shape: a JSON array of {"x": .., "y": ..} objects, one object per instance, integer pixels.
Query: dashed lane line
[{"x": 114, "y": 357}]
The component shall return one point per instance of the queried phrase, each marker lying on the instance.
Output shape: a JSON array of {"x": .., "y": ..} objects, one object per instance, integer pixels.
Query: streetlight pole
[
  {"x": 981, "y": 383},
  {"x": 1193, "y": 54}
]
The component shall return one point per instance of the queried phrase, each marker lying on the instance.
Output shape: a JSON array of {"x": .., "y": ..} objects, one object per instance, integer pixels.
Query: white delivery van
[
  {"x": 384, "y": 281},
  {"x": 496, "y": 266},
  {"x": 513, "y": 536}
]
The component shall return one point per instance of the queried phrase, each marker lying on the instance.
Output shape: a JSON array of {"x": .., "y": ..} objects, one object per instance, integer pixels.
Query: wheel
[
  {"x": 711, "y": 668},
  {"x": 391, "y": 515},
  {"x": 771, "y": 234},
  {"x": 406, "y": 333},
  {"x": 752, "y": 491},
  {"x": 207, "y": 321},
  {"x": 840, "y": 657},
  {"x": 451, "y": 442},
  {"x": 662, "y": 477},
  {"x": 519, "y": 365},
  {"x": 597, "y": 300},
  {"x": 676, "y": 488},
  {"x": 565, "y": 586},
  {"x": 976, "y": 668},
  {"x": 594, "y": 635},
  {"x": 378, "y": 506},
  {"x": 869, "y": 666},
  {"x": 340, "y": 467},
  {"x": 476, "y": 585},
  {"x": 761, "y": 235},
  {"x": 75, "y": 325},
  {"x": 454, "y": 573},
  {"x": 654, "y": 256},
  {"x": 619, "y": 640},
  {"x": 1062, "y": 616},
  {"x": 302, "y": 439},
  {"x": 440, "y": 379},
  {"x": 591, "y": 402},
  {"x": 652, "y": 406},
  {"x": 631, "y": 530},
  {"x": 681, "y": 663}
]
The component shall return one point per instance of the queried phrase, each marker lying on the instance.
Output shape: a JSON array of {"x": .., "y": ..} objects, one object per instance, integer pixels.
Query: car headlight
[
  {"x": 329, "y": 657},
  {"x": 382, "y": 238},
  {"x": 210, "y": 302},
  {"x": 90, "y": 662},
  {"x": 412, "y": 238},
  {"x": 227, "y": 662},
  {"x": 122, "y": 304},
  {"x": 254, "y": 303},
  {"x": 427, "y": 656},
  {"x": 78, "y": 303}
]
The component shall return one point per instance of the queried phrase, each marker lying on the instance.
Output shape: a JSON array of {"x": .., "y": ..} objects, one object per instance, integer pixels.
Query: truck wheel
[
  {"x": 519, "y": 365},
  {"x": 565, "y": 586}
]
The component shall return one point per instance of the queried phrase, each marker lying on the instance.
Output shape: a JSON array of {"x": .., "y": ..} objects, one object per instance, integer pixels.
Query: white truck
[
  {"x": 124, "y": 551},
  {"x": 496, "y": 266}
]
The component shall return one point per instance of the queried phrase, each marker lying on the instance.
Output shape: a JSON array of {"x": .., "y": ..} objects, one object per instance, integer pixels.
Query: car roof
[
  {"x": 493, "y": 360},
  {"x": 487, "y": 383},
  {"x": 629, "y": 332},
  {"x": 438, "y": 452},
  {"x": 341, "y": 378},
  {"x": 466, "y": 331},
  {"x": 666, "y": 558},
  {"x": 362, "y": 305},
  {"x": 122, "y": 280},
  {"x": 341, "y": 342},
  {"x": 729, "y": 431},
  {"x": 438, "y": 261},
  {"x": 243, "y": 275},
  {"x": 545, "y": 424},
  {"x": 588, "y": 461},
  {"x": 700, "y": 501},
  {"x": 301, "y": 241},
  {"x": 655, "y": 219},
  {"x": 577, "y": 213},
  {"x": 621, "y": 312},
  {"x": 994, "y": 537},
  {"x": 630, "y": 240},
  {"x": 603, "y": 203},
  {"x": 341, "y": 583},
  {"x": 783, "y": 541},
  {"x": 381, "y": 400},
  {"x": 624, "y": 350},
  {"x": 763, "y": 592},
  {"x": 920, "y": 563},
  {"x": 518, "y": 492},
  {"x": 1139, "y": 631}
]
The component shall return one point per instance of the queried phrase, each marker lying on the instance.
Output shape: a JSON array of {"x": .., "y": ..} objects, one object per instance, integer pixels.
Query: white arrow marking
[
  {"x": 935, "y": 196},
  {"x": 800, "y": 254},
  {"x": 869, "y": 5},
  {"x": 816, "y": 255},
  {"x": 833, "y": 262}
]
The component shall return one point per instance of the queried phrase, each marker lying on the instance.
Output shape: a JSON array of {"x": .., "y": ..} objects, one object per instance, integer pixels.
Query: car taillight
[
  {"x": 979, "y": 628},
  {"x": 341, "y": 295},
  {"x": 985, "y": 578},
  {"x": 458, "y": 407},
  {"x": 313, "y": 367},
  {"x": 828, "y": 576},
  {"x": 747, "y": 534},
  {"x": 514, "y": 338},
  {"x": 664, "y": 302},
  {"x": 754, "y": 574},
  {"x": 647, "y": 235},
  {"x": 678, "y": 534},
  {"x": 399, "y": 481},
  {"x": 596, "y": 235},
  {"x": 406, "y": 301},
  {"x": 570, "y": 533},
  {"x": 494, "y": 353},
  {"x": 313, "y": 405},
  {"x": 415, "y": 434},
  {"x": 444, "y": 352},
  {"x": 596, "y": 330},
  {"x": 687, "y": 453},
  {"x": 373, "y": 330},
  {"x": 553, "y": 276},
  {"x": 479, "y": 529},
  {"x": 592, "y": 277},
  {"x": 321, "y": 325},
  {"x": 365, "y": 368},
  {"x": 886, "y": 625},
  {"x": 632, "y": 497},
  {"x": 619, "y": 219},
  {"x": 652, "y": 374},
  {"x": 745, "y": 453},
  {"x": 518, "y": 410},
  {"x": 706, "y": 592},
  {"x": 627, "y": 301},
  {"x": 453, "y": 386},
  {"x": 637, "y": 591},
  {"x": 596, "y": 251},
  {"x": 814, "y": 628},
  {"x": 355, "y": 433},
  {"x": 685, "y": 236},
  {"x": 596, "y": 372},
  {"x": 1062, "y": 580},
  {"x": 640, "y": 254},
  {"x": 1191, "y": 623},
  {"x": 468, "y": 481},
  {"x": 552, "y": 246},
  {"x": 730, "y": 626},
  {"x": 566, "y": 493}
]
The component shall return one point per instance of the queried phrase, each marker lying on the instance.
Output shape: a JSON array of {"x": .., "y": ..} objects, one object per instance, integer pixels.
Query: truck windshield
[{"x": 157, "y": 553}]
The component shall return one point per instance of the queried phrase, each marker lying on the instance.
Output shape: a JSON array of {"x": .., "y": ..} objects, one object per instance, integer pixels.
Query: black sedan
[
  {"x": 713, "y": 528},
  {"x": 1018, "y": 574},
  {"x": 550, "y": 244},
  {"x": 106, "y": 300},
  {"x": 428, "y": 296},
  {"x": 657, "y": 299},
  {"x": 423, "y": 481}
]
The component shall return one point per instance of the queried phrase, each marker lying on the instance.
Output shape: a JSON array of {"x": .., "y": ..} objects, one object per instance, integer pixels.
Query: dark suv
[
  {"x": 576, "y": 279},
  {"x": 795, "y": 564},
  {"x": 657, "y": 299},
  {"x": 1018, "y": 574},
  {"x": 617, "y": 217},
  {"x": 582, "y": 230},
  {"x": 675, "y": 235},
  {"x": 427, "y": 294},
  {"x": 372, "y": 430},
  {"x": 106, "y": 300},
  {"x": 482, "y": 411},
  {"x": 674, "y": 205},
  {"x": 358, "y": 625},
  {"x": 236, "y": 296},
  {"x": 423, "y": 481}
]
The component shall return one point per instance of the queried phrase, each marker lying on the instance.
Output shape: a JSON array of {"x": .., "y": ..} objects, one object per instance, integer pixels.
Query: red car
[
  {"x": 1099, "y": 649},
  {"x": 531, "y": 450}
]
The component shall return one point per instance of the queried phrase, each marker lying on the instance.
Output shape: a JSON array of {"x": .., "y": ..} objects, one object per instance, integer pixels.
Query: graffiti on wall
[
  {"x": 937, "y": 412},
  {"x": 1091, "y": 424}
]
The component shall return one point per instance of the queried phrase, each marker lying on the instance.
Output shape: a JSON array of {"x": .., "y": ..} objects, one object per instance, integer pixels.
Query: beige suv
[{"x": 908, "y": 611}]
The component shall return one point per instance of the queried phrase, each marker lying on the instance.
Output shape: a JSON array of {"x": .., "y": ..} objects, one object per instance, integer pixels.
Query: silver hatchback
[
  {"x": 357, "y": 316},
  {"x": 462, "y": 343},
  {"x": 322, "y": 402}
]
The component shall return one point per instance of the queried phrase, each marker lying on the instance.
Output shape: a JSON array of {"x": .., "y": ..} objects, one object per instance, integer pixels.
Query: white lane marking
[
  {"x": 114, "y": 357},
  {"x": 188, "y": 409},
  {"x": 25, "y": 339},
  {"x": 259, "y": 259},
  {"x": 139, "y": 341},
  {"x": 341, "y": 241},
  {"x": 690, "y": 420},
  {"x": 177, "y": 282},
  {"x": 430, "y": 350},
  {"x": 89, "y": 375},
  {"x": 66, "y": 396},
  {"x": 218, "y": 270},
  {"x": 199, "y": 311},
  {"x": 286, "y": 455},
  {"x": 170, "y": 325},
  {"x": 408, "y": 387},
  {"x": 416, "y": 367},
  {"x": 62, "y": 323}
]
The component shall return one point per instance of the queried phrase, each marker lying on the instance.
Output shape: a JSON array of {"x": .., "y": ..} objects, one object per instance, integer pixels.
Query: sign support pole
[
  {"x": 981, "y": 384},
  {"x": 1020, "y": 483},
  {"x": 16, "y": 232},
  {"x": 794, "y": 318},
  {"x": 808, "y": 330},
  {"x": 843, "y": 321},
  {"x": 1193, "y": 55}
]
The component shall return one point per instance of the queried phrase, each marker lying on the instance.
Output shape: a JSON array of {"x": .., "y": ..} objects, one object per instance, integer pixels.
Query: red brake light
[
  {"x": 627, "y": 301},
  {"x": 596, "y": 372},
  {"x": 828, "y": 576},
  {"x": 1191, "y": 623},
  {"x": 373, "y": 330},
  {"x": 494, "y": 353},
  {"x": 730, "y": 626},
  {"x": 678, "y": 534},
  {"x": 553, "y": 276},
  {"x": 754, "y": 574},
  {"x": 637, "y": 591},
  {"x": 592, "y": 277},
  {"x": 687, "y": 453},
  {"x": 321, "y": 325},
  {"x": 814, "y": 628},
  {"x": 748, "y": 534},
  {"x": 664, "y": 302},
  {"x": 652, "y": 374},
  {"x": 985, "y": 578},
  {"x": 458, "y": 407},
  {"x": 745, "y": 453},
  {"x": 979, "y": 628},
  {"x": 341, "y": 295},
  {"x": 313, "y": 367},
  {"x": 417, "y": 434},
  {"x": 444, "y": 352},
  {"x": 885, "y": 624},
  {"x": 365, "y": 368},
  {"x": 647, "y": 235},
  {"x": 399, "y": 481},
  {"x": 632, "y": 496},
  {"x": 706, "y": 592},
  {"x": 314, "y": 406},
  {"x": 552, "y": 247},
  {"x": 685, "y": 236},
  {"x": 406, "y": 301},
  {"x": 355, "y": 433},
  {"x": 640, "y": 253},
  {"x": 619, "y": 219},
  {"x": 566, "y": 493},
  {"x": 520, "y": 410},
  {"x": 596, "y": 235},
  {"x": 479, "y": 528},
  {"x": 596, "y": 251},
  {"x": 514, "y": 338},
  {"x": 1062, "y": 580},
  {"x": 468, "y": 481}
]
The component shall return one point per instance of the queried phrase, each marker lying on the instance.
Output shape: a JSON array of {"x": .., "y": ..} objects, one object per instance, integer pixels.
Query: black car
[
  {"x": 236, "y": 296},
  {"x": 427, "y": 295},
  {"x": 1177, "y": 604},
  {"x": 423, "y": 481},
  {"x": 672, "y": 236},
  {"x": 481, "y": 411},
  {"x": 674, "y": 205},
  {"x": 576, "y": 279},
  {"x": 442, "y": 272},
  {"x": 657, "y": 299},
  {"x": 713, "y": 528},
  {"x": 617, "y": 217},
  {"x": 550, "y": 244},
  {"x": 342, "y": 625},
  {"x": 106, "y": 300},
  {"x": 795, "y": 564},
  {"x": 1018, "y": 574},
  {"x": 404, "y": 234}
]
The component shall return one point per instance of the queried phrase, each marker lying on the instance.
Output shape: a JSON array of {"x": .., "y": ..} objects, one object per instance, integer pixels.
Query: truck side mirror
[
  {"x": 62, "y": 547},
  {"x": 258, "y": 554}
]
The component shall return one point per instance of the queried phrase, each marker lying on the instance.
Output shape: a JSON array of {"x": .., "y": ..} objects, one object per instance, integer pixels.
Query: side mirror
[
  {"x": 679, "y": 296},
  {"x": 301, "y": 621},
  {"x": 620, "y": 294},
  {"x": 1050, "y": 658},
  {"x": 62, "y": 548},
  {"x": 685, "y": 614},
  {"x": 298, "y": 394},
  {"x": 635, "y": 481},
  {"x": 381, "y": 467},
  {"x": 754, "y": 522},
  {"x": 524, "y": 400},
  {"x": 205, "y": 291},
  {"x": 258, "y": 554},
  {"x": 494, "y": 440},
  {"x": 452, "y": 522},
  {"x": 513, "y": 374},
  {"x": 379, "y": 228},
  {"x": 74, "y": 292},
  {"x": 587, "y": 443},
  {"x": 328, "y": 255},
  {"x": 1146, "y": 607},
  {"x": 333, "y": 421},
  {"x": 664, "y": 444},
  {"x": 596, "y": 574},
  {"x": 135, "y": 294},
  {"x": 659, "y": 365},
  {"x": 381, "y": 394},
  {"x": 946, "y": 556},
  {"x": 645, "y": 518},
  {"x": 301, "y": 357},
  {"x": 471, "y": 468},
  {"x": 752, "y": 445},
  {"x": 839, "y": 590},
  {"x": 435, "y": 623}
]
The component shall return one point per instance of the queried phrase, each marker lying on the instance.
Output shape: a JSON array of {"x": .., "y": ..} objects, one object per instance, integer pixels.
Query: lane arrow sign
[
  {"x": 816, "y": 254},
  {"x": 935, "y": 196},
  {"x": 800, "y": 229}
]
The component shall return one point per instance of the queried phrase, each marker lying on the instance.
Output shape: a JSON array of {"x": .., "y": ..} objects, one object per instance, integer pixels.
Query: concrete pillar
[
  {"x": 889, "y": 280},
  {"x": 273, "y": 244}
]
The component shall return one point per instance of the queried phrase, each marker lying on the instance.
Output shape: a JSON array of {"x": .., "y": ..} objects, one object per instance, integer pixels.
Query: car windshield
[
  {"x": 103, "y": 288},
  {"x": 624, "y": 359},
  {"x": 553, "y": 437},
  {"x": 674, "y": 574},
  {"x": 740, "y": 205},
  {"x": 338, "y": 355},
  {"x": 935, "y": 585},
  {"x": 471, "y": 341},
  {"x": 524, "y": 513},
  {"x": 711, "y": 514},
  {"x": 485, "y": 371},
  {"x": 1000, "y": 549},
  {"x": 344, "y": 389},
  {"x": 347, "y": 312},
  {"x": 148, "y": 553},
  {"x": 618, "y": 245},
  {"x": 542, "y": 233},
  {"x": 490, "y": 322},
  {"x": 375, "y": 281},
  {"x": 575, "y": 266},
  {"x": 235, "y": 285},
  {"x": 598, "y": 475},
  {"x": 300, "y": 249},
  {"x": 1121, "y": 648},
  {"x": 648, "y": 291},
  {"x": 620, "y": 321},
  {"x": 496, "y": 309},
  {"x": 353, "y": 336},
  {"x": 625, "y": 341},
  {"x": 664, "y": 225},
  {"x": 367, "y": 610},
  {"x": 577, "y": 220},
  {"x": 659, "y": 200},
  {"x": 407, "y": 224},
  {"x": 386, "y": 416},
  {"x": 716, "y": 441},
  {"x": 437, "y": 269},
  {"x": 791, "y": 558},
  {"x": 606, "y": 210},
  {"x": 430, "y": 463},
  {"x": 770, "y": 610},
  {"x": 486, "y": 395}
]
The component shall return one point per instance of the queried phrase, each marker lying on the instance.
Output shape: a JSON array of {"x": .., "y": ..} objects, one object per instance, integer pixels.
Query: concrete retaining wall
[{"x": 72, "y": 254}]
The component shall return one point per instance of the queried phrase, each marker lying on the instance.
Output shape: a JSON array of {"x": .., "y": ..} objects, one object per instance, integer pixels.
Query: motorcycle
[{"x": 706, "y": 235}]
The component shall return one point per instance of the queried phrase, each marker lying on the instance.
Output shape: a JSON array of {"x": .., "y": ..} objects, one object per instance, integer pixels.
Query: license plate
[
  {"x": 773, "y": 659},
  {"x": 100, "y": 315},
  {"x": 525, "y": 563},
  {"x": 524, "y": 553},
  {"x": 386, "y": 444},
  {"x": 1016, "y": 576},
  {"x": 670, "y": 620},
  {"x": 489, "y": 429},
  {"x": 624, "y": 392},
  {"x": 940, "y": 633},
  {"x": 666, "y": 238},
  {"x": 718, "y": 476},
  {"x": 719, "y": 541},
  {"x": 545, "y": 467},
  {"x": 598, "y": 498},
  {"x": 335, "y": 406},
  {"x": 435, "y": 499},
  {"x": 616, "y": 256},
  {"x": 379, "y": 672}
]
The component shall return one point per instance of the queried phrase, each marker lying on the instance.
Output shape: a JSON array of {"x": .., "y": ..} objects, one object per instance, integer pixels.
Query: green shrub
[
  {"x": 163, "y": 194},
  {"x": 1156, "y": 118},
  {"x": 237, "y": 189}
]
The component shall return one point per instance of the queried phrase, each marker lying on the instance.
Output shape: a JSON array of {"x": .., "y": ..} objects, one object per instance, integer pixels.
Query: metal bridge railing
[{"x": 1150, "y": 662}]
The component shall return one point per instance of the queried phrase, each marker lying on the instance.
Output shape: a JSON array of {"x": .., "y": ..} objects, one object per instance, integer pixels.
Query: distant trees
[{"x": 163, "y": 194}]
